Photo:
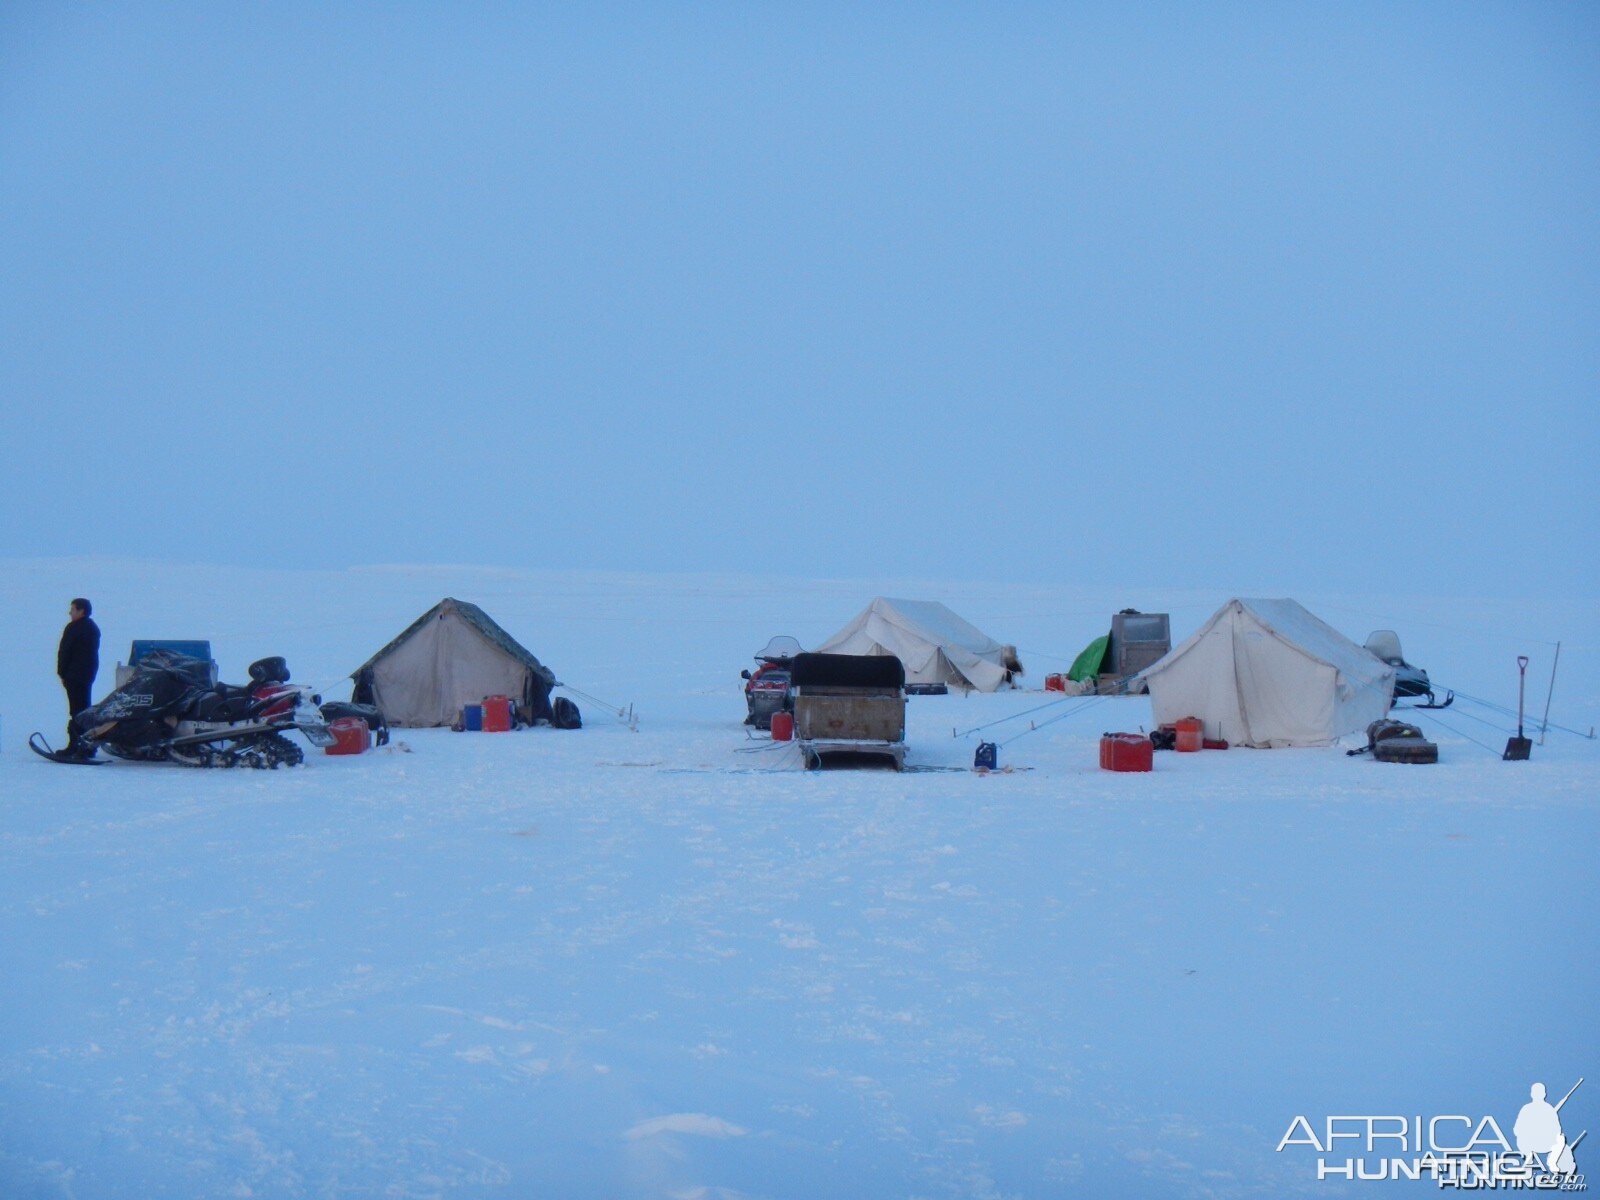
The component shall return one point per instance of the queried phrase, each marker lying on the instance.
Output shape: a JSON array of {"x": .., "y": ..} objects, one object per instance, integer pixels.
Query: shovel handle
[{"x": 1522, "y": 679}]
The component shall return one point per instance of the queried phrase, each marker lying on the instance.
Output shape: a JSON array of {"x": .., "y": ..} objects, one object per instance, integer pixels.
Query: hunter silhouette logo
[
  {"x": 1538, "y": 1132},
  {"x": 1452, "y": 1150}
]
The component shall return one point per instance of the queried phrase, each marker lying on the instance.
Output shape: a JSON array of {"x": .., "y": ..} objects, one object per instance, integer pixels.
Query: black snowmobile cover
[{"x": 163, "y": 682}]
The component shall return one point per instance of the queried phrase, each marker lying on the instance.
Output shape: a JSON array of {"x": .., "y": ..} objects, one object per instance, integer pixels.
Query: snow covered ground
[{"x": 670, "y": 963}]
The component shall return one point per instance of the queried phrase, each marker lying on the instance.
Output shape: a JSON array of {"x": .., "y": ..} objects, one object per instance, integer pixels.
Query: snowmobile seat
[
  {"x": 224, "y": 704},
  {"x": 242, "y": 692},
  {"x": 269, "y": 670}
]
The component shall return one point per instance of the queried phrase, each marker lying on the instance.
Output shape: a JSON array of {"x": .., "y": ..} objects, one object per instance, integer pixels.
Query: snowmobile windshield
[
  {"x": 162, "y": 682},
  {"x": 1385, "y": 644},
  {"x": 779, "y": 649}
]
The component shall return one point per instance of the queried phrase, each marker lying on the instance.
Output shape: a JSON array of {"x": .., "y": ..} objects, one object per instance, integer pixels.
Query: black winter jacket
[{"x": 78, "y": 657}]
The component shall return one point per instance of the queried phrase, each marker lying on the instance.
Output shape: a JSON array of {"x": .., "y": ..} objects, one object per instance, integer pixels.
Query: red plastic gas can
[
  {"x": 782, "y": 726},
  {"x": 496, "y": 714},
  {"x": 350, "y": 736},
  {"x": 1126, "y": 752}
]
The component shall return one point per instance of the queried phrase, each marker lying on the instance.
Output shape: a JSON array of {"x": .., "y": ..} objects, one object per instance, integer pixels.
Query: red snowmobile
[{"x": 766, "y": 690}]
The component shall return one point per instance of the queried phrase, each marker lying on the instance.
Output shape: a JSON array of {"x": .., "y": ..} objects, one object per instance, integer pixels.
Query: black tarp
[
  {"x": 163, "y": 682},
  {"x": 847, "y": 670}
]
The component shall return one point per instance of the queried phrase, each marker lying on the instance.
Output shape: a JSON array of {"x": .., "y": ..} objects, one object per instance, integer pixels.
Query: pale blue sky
[{"x": 1232, "y": 296}]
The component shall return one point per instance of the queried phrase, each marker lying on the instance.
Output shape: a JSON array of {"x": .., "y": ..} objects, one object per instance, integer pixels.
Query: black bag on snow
[
  {"x": 1396, "y": 741},
  {"x": 564, "y": 714}
]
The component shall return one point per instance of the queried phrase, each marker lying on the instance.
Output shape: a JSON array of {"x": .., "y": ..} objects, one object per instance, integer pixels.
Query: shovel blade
[{"x": 1517, "y": 749}]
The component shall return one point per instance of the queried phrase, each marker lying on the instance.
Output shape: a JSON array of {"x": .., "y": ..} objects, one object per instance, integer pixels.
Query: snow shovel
[{"x": 1519, "y": 747}]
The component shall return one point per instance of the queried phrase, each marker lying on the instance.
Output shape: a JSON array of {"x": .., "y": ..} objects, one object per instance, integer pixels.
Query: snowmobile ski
[
  {"x": 39, "y": 746},
  {"x": 1449, "y": 699}
]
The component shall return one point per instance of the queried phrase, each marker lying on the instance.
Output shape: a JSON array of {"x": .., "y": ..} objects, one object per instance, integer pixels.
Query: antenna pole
[{"x": 1545, "y": 724}]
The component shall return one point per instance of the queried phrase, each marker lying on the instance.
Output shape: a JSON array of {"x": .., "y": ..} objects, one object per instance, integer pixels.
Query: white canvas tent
[
  {"x": 935, "y": 645},
  {"x": 1269, "y": 673},
  {"x": 454, "y": 654}
]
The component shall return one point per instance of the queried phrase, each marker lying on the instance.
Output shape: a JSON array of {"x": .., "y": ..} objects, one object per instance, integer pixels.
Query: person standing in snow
[{"x": 78, "y": 661}]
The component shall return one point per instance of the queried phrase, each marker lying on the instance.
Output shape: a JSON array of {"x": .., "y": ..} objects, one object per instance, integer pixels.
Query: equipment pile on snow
[
  {"x": 1108, "y": 664},
  {"x": 1398, "y": 742}
]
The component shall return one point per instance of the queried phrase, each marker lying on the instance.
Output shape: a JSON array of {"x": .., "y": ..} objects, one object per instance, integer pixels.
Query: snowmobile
[
  {"x": 1409, "y": 682},
  {"x": 169, "y": 710},
  {"x": 766, "y": 691}
]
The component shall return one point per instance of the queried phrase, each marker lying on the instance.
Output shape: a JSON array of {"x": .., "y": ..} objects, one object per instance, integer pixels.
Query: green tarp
[{"x": 1087, "y": 665}]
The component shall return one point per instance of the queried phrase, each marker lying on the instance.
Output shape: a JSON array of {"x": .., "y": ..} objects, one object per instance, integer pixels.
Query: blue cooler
[{"x": 472, "y": 717}]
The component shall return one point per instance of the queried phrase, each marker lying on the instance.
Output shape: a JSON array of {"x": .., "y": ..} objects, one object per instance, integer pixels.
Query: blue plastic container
[{"x": 472, "y": 717}]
